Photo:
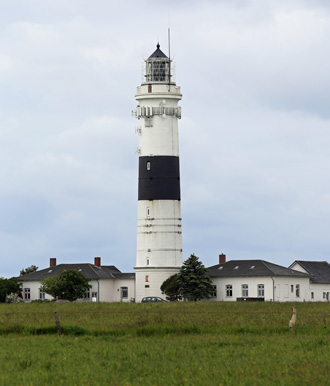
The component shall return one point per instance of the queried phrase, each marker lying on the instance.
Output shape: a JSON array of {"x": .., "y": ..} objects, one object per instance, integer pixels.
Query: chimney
[
  {"x": 97, "y": 261},
  {"x": 222, "y": 258},
  {"x": 52, "y": 261}
]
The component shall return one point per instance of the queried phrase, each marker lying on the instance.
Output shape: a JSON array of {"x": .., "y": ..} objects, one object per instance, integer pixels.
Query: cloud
[{"x": 254, "y": 134}]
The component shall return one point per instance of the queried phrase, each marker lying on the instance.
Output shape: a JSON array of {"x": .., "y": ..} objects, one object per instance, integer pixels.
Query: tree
[
  {"x": 27, "y": 270},
  {"x": 193, "y": 280},
  {"x": 171, "y": 288},
  {"x": 8, "y": 286},
  {"x": 69, "y": 284}
]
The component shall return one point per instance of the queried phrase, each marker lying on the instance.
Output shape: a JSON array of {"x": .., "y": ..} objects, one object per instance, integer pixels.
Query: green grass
[{"x": 164, "y": 344}]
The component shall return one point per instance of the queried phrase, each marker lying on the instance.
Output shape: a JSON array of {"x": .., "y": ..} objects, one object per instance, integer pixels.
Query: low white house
[
  {"x": 319, "y": 285},
  {"x": 235, "y": 280},
  {"x": 108, "y": 283},
  {"x": 255, "y": 280}
]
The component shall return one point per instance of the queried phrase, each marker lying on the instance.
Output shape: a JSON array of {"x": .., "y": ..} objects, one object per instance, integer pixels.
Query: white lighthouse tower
[{"x": 159, "y": 232}]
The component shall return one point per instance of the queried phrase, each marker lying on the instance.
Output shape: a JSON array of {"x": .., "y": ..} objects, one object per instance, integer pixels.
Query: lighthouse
[{"x": 159, "y": 231}]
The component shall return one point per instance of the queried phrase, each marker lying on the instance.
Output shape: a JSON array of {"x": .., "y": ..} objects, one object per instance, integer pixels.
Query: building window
[
  {"x": 148, "y": 212},
  {"x": 87, "y": 294},
  {"x": 261, "y": 290},
  {"x": 229, "y": 291},
  {"x": 292, "y": 287},
  {"x": 214, "y": 291},
  {"x": 148, "y": 165},
  {"x": 147, "y": 278},
  {"x": 326, "y": 295},
  {"x": 94, "y": 296},
  {"x": 149, "y": 88},
  {"x": 312, "y": 295},
  {"x": 245, "y": 290},
  {"x": 147, "y": 260},
  {"x": 27, "y": 294},
  {"x": 124, "y": 292},
  {"x": 297, "y": 291},
  {"x": 41, "y": 294}
]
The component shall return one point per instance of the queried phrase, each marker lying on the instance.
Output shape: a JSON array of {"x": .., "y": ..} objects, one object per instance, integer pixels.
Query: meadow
[{"x": 204, "y": 343}]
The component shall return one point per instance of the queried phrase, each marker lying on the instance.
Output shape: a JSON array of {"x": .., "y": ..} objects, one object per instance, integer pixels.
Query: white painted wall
[
  {"x": 159, "y": 237},
  {"x": 279, "y": 290},
  {"x": 108, "y": 290}
]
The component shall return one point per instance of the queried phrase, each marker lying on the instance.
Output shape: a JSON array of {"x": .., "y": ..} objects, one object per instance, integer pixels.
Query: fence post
[
  {"x": 57, "y": 324},
  {"x": 292, "y": 322}
]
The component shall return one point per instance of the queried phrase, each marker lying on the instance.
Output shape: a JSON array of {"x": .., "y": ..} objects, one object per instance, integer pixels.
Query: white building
[
  {"x": 108, "y": 283},
  {"x": 319, "y": 285},
  {"x": 248, "y": 280},
  {"x": 159, "y": 240}
]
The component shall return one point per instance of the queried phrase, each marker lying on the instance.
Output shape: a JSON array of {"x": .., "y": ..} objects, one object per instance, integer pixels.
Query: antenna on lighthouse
[{"x": 169, "y": 60}]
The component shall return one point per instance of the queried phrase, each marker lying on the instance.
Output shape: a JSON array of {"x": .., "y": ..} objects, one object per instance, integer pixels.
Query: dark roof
[
  {"x": 158, "y": 53},
  {"x": 250, "y": 268},
  {"x": 319, "y": 270},
  {"x": 89, "y": 270}
]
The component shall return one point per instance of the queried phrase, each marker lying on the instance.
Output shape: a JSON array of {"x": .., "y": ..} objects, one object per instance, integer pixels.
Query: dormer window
[
  {"x": 252, "y": 267},
  {"x": 237, "y": 266}
]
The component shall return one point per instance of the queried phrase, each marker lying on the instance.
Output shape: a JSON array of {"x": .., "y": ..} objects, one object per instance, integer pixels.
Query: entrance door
[{"x": 124, "y": 294}]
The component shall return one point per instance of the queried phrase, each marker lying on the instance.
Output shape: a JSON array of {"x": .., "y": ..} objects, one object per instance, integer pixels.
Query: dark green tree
[
  {"x": 194, "y": 283},
  {"x": 8, "y": 286},
  {"x": 69, "y": 284},
  {"x": 171, "y": 288},
  {"x": 27, "y": 270}
]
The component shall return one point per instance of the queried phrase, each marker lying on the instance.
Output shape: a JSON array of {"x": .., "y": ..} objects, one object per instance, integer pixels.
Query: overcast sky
[{"x": 254, "y": 133}]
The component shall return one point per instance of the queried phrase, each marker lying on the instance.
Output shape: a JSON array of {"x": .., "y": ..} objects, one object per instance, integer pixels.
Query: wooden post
[
  {"x": 57, "y": 324},
  {"x": 292, "y": 322}
]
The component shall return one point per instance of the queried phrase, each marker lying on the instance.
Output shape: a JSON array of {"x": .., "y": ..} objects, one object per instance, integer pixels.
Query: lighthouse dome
[{"x": 158, "y": 53}]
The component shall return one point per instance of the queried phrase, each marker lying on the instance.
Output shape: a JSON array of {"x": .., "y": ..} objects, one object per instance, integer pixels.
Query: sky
[{"x": 254, "y": 134}]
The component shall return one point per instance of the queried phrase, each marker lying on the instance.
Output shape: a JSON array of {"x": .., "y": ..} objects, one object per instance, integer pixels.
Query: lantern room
[{"x": 158, "y": 67}]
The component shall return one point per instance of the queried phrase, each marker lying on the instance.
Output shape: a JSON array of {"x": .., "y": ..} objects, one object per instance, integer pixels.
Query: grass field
[{"x": 164, "y": 344}]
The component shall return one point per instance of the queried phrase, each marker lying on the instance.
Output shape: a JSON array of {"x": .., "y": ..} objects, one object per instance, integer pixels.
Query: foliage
[
  {"x": 28, "y": 270},
  {"x": 8, "y": 286},
  {"x": 193, "y": 281},
  {"x": 69, "y": 284},
  {"x": 171, "y": 288},
  {"x": 14, "y": 298}
]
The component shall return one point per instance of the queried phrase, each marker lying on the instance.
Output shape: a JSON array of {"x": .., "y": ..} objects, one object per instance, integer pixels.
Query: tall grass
[
  {"x": 170, "y": 317},
  {"x": 164, "y": 344}
]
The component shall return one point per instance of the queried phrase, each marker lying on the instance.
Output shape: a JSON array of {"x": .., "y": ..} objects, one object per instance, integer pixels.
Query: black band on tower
[{"x": 159, "y": 178}]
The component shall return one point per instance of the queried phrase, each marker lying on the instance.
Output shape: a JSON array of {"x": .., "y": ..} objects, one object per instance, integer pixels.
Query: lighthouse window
[
  {"x": 148, "y": 212},
  {"x": 148, "y": 165}
]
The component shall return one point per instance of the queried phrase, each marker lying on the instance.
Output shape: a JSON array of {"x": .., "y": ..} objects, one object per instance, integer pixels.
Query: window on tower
[
  {"x": 148, "y": 212},
  {"x": 148, "y": 165}
]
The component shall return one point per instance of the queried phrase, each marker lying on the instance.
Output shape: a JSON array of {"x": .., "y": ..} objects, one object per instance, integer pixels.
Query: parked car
[{"x": 152, "y": 299}]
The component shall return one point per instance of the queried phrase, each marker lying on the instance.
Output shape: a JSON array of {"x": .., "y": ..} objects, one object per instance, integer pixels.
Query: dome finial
[{"x": 158, "y": 45}]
